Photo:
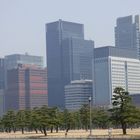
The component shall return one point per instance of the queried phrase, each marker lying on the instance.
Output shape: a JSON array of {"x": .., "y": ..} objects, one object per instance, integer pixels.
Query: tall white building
[{"x": 114, "y": 67}]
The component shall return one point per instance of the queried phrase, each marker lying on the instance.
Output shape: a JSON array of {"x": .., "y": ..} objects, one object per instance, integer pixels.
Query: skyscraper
[
  {"x": 13, "y": 60},
  {"x": 127, "y": 33},
  {"x": 2, "y": 87},
  {"x": 26, "y": 88},
  {"x": 2, "y": 72},
  {"x": 62, "y": 38},
  {"x": 115, "y": 67},
  {"x": 77, "y": 59}
]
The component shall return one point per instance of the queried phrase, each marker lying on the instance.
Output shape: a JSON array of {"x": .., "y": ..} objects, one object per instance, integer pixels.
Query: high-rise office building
[
  {"x": 13, "y": 60},
  {"x": 36, "y": 87},
  {"x": 77, "y": 59},
  {"x": 26, "y": 88},
  {"x": 77, "y": 94},
  {"x": 2, "y": 87},
  {"x": 2, "y": 72},
  {"x": 114, "y": 67},
  {"x": 127, "y": 33},
  {"x": 1, "y": 102},
  {"x": 62, "y": 40}
]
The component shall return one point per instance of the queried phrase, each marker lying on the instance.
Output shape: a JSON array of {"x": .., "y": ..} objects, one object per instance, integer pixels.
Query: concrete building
[
  {"x": 66, "y": 48},
  {"x": 115, "y": 67},
  {"x": 77, "y": 94},
  {"x": 26, "y": 88},
  {"x": 127, "y": 33}
]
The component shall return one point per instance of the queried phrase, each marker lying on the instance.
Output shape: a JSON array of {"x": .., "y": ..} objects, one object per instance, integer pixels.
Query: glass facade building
[
  {"x": 136, "y": 99},
  {"x": 2, "y": 73},
  {"x": 77, "y": 59},
  {"x": 2, "y": 87},
  {"x": 115, "y": 67},
  {"x": 1, "y": 102},
  {"x": 127, "y": 33},
  {"x": 12, "y": 61},
  {"x": 66, "y": 48}
]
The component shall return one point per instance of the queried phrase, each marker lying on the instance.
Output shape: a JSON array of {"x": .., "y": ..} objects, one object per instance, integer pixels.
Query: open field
[{"x": 101, "y": 133}]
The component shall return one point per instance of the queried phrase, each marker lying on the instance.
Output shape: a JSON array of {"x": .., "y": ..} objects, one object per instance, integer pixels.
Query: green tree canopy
[{"x": 122, "y": 112}]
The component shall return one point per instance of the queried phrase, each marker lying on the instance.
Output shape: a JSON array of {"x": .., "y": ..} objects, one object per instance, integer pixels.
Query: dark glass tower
[
  {"x": 127, "y": 33},
  {"x": 60, "y": 36}
]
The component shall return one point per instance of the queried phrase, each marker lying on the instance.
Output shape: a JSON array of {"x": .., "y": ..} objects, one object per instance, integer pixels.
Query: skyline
[{"x": 22, "y": 26}]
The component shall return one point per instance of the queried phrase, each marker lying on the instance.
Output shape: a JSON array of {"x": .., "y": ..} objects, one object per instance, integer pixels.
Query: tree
[
  {"x": 21, "y": 120},
  {"x": 8, "y": 121},
  {"x": 84, "y": 116},
  {"x": 66, "y": 119},
  {"x": 122, "y": 112},
  {"x": 35, "y": 119},
  {"x": 44, "y": 119},
  {"x": 100, "y": 118}
]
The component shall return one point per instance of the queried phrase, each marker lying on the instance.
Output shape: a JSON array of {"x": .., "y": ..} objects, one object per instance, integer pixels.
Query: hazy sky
[{"x": 22, "y": 22}]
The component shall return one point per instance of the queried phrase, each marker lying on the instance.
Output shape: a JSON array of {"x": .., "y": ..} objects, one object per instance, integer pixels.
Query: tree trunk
[
  {"x": 14, "y": 129},
  {"x": 67, "y": 129},
  {"x": 41, "y": 130},
  {"x": 22, "y": 130},
  {"x": 36, "y": 131},
  {"x": 56, "y": 129},
  {"x": 51, "y": 129},
  {"x": 124, "y": 128},
  {"x": 44, "y": 130}
]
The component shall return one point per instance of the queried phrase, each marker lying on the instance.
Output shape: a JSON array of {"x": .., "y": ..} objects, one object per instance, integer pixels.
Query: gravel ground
[{"x": 102, "y": 133}]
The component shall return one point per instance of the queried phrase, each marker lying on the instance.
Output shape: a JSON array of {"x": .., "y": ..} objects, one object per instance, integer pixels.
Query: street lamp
[{"x": 90, "y": 120}]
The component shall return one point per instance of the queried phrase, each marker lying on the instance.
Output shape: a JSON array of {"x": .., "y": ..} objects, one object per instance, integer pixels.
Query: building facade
[
  {"x": 136, "y": 99},
  {"x": 77, "y": 59},
  {"x": 13, "y": 60},
  {"x": 2, "y": 87},
  {"x": 115, "y": 67},
  {"x": 2, "y": 73},
  {"x": 26, "y": 88},
  {"x": 1, "y": 102},
  {"x": 127, "y": 33},
  {"x": 63, "y": 37},
  {"x": 77, "y": 94}
]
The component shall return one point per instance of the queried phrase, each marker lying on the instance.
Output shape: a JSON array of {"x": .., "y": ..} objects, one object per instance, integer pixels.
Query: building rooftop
[
  {"x": 115, "y": 51},
  {"x": 81, "y": 81}
]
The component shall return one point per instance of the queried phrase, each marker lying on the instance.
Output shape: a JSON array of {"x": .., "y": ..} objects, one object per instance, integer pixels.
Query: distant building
[
  {"x": 26, "y": 88},
  {"x": 127, "y": 33},
  {"x": 13, "y": 60},
  {"x": 77, "y": 59},
  {"x": 2, "y": 73},
  {"x": 114, "y": 67},
  {"x": 77, "y": 94},
  {"x": 2, "y": 87},
  {"x": 136, "y": 99},
  {"x": 68, "y": 55},
  {"x": 1, "y": 102}
]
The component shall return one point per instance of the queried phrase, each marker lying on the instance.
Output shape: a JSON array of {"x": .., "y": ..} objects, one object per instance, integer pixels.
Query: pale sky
[{"x": 22, "y": 22}]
